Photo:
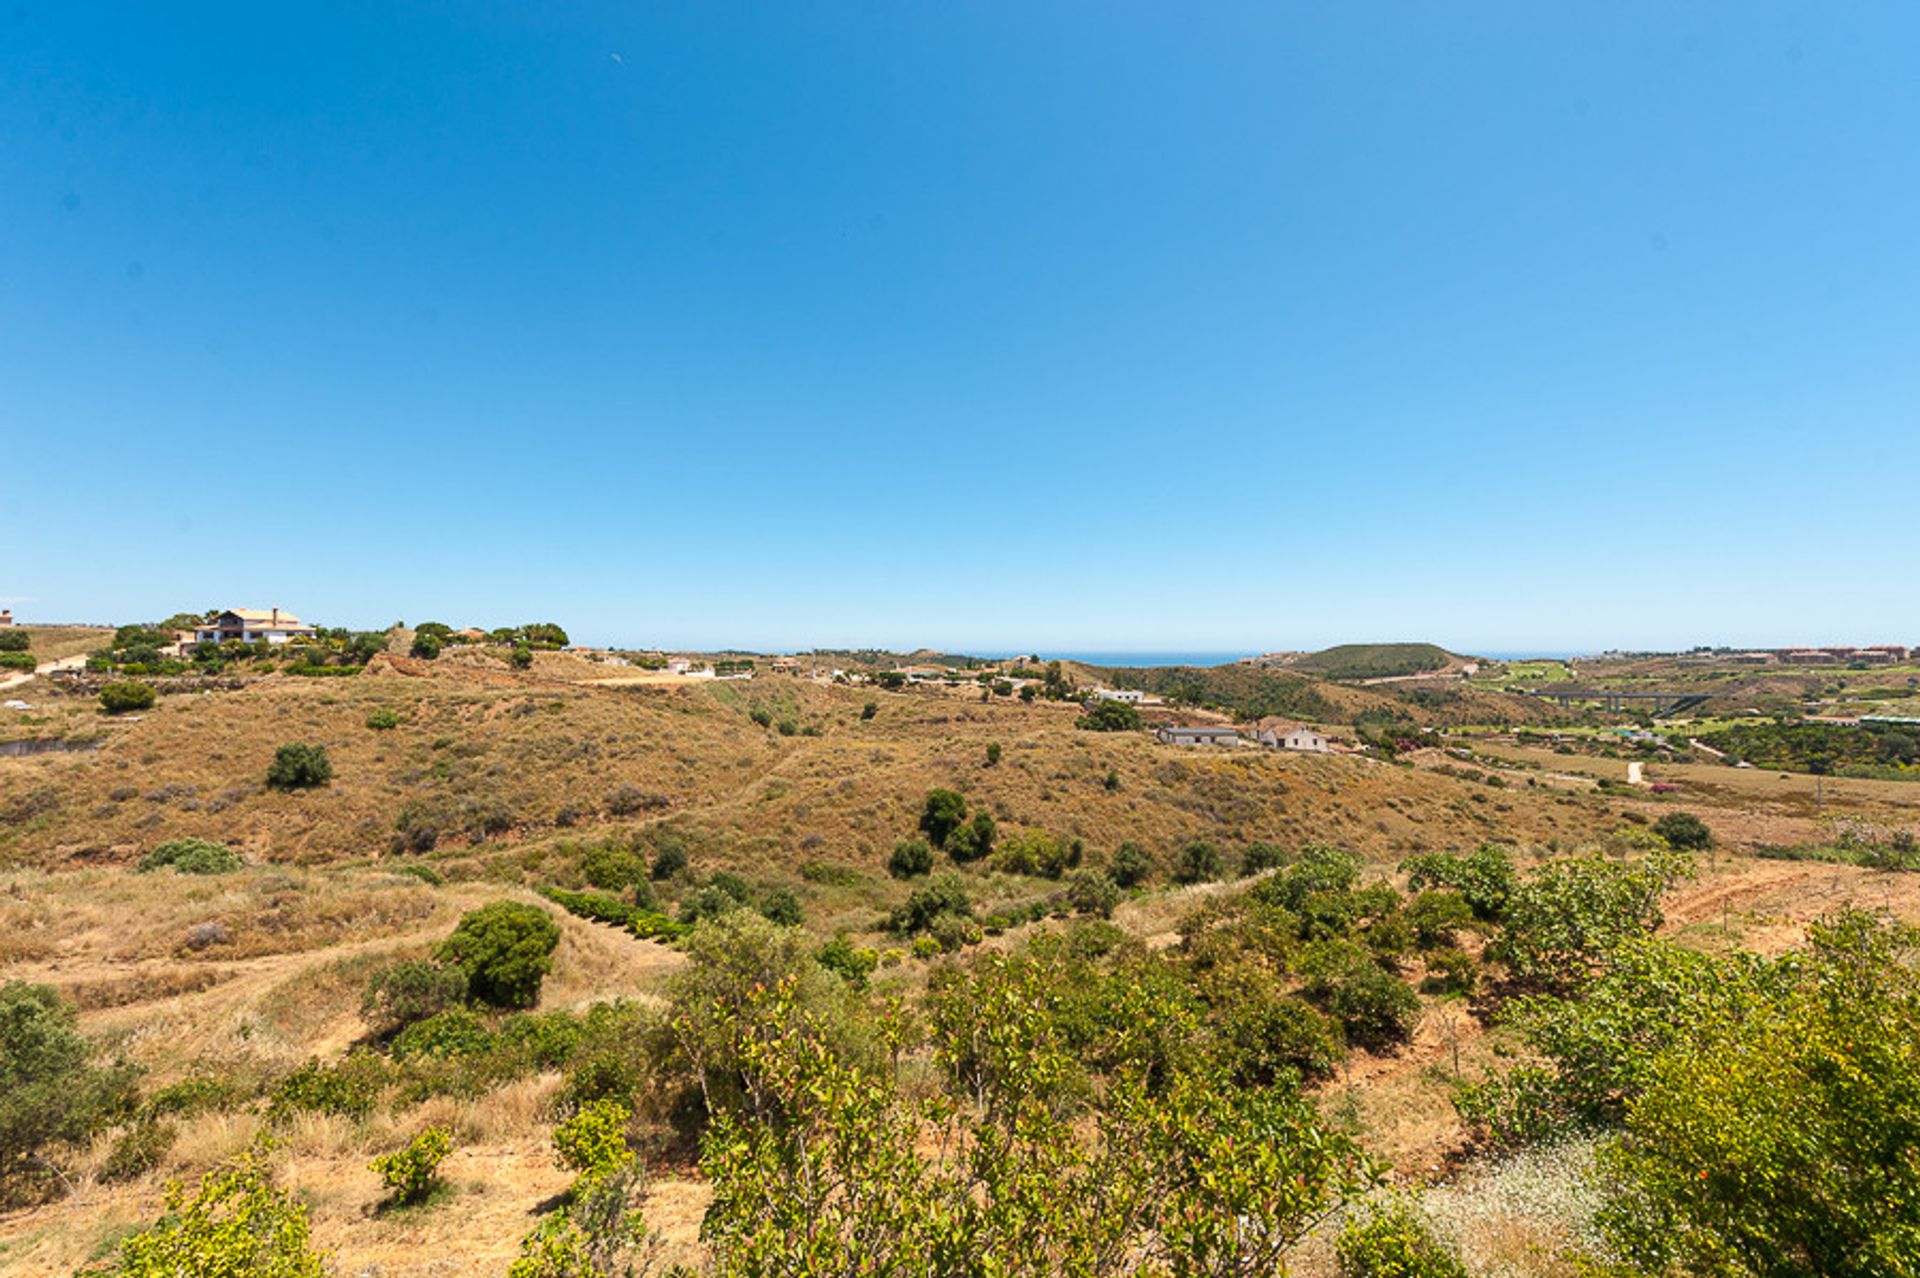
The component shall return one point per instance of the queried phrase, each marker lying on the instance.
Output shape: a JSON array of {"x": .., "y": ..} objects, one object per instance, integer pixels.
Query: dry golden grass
[{"x": 294, "y": 935}]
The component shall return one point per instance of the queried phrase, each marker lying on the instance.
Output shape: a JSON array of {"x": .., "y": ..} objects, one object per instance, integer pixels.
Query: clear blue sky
[{"x": 984, "y": 325}]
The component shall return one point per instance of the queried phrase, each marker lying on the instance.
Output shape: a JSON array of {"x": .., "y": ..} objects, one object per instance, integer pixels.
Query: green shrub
[
  {"x": 238, "y": 1224},
  {"x": 761, "y": 716},
  {"x": 138, "y": 1149},
  {"x": 1484, "y": 877},
  {"x": 974, "y": 840},
  {"x": 1091, "y": 891},
  {"x": 192, "y": 856},
  {"x": 299, "y": 766},
  {"x": 668, "y": 861},
  {"x": 1261, "y": 856},
  {"x": 1394, "y": 1241},
  {"x": 1436, "y": 916},
  {"x": 850, "y": 963},
  {"x": 594, "y": 1140},
  {"x": 780, "y": 905},
  {"x": 412, "y": 1172},
  {"x": 13, "y": 640},
  {"x": 612, "y": 869},
  {"x": 953, "y": 931},
  {"x": 870, "y": 709},
  {"x": 993, "y": 753},
  {"x": 911, "y": 858},
  {"x": 521, "y": 658},
  {"x": 453, "y": 1032},
  {"x": 400, "y": 994},
  {"x": 942, "y": 894},
  {"x": 1037, "y": 853},
  {"x": 1109, "y": 716},
  {"x": 382, "y": 719},
  {"x": 1271, "y": 1036},
  {"x": 1374, "y": 1007},
  {"x": 126, "y": 695},
  {"x": 1684, "y": 832},
  {"x": 1197, "y": 861},
  {"x": 941, "y": 815},
  {"x": 17, "y": 660},
  {"x": 49, "y": 1092},
  {"x": 505, "y": 949},
  {"x": 348, "y": 1088},
  {"x": 425, "y": 646},
  {"x": 1131, "y": 865}
]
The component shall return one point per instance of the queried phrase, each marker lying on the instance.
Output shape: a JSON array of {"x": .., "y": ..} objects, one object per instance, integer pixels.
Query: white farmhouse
[
  {"x": 1293, "y": 737},
  {"x": 253, "y": 625}
]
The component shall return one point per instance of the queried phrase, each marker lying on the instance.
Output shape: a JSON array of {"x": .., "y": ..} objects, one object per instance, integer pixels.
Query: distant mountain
[{"x": 1372, "y": 660}]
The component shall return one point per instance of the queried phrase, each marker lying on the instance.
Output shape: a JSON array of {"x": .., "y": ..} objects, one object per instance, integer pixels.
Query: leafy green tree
[
  {"x": 1131, "y": 865},
  {"x": 521, "y": 657},
  {"x": 237, "y": 1226},
  {"x": 911, "y": 858},
  {"x": 13, "y": 640},
  {"x": 669, "y": 860},
  {"x": 425, "y": 646},
  {"x": 1566, "y": 919},
  {"x": 126, "y": 695},
  {"x": 974, "y": 840},
  {"x": 1197, "y": 861},
  {"x": 1782, "y": 1140},
  {"x": 50, "y": 1092},
  {"x": 941, "y": 815},
  {"x": 505, "y": 949},
  {"x": 1110, "y": 716},
  {"x": 1374, "y": 1007},
  {"x": 869, "y": 710},
  {"x": 993, "y": 753},
  {"x": 1484, "y": 878},
  {"x": 298, "y": 766},
  {"x": 1684, "y": 832},
  {"x": 780, "y": 905},
  {"x": 1261, "y": 856}
]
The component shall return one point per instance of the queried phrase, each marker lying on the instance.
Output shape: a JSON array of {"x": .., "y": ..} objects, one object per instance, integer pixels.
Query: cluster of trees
[{"x": 1818, "y": 747}]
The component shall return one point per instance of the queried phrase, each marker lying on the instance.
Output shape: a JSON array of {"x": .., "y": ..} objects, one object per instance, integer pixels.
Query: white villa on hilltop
[{"x": 253, "y": 625}]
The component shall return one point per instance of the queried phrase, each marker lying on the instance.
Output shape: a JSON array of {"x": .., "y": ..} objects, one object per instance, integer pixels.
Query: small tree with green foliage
[
  {"x": 425, "y": 646},
  {"x": 298, "y": 766},
  {"x": 974, "y": 840},
  {"x": 1110, "y": 716},
  {"x": 192, "y": 856},
  {"x": 238, "y": 1224},
  {"x": 1684, "y": 832},
  {"x": 1131, "y": 865},
  {"x": 50, "y": 1092},
  {"x": 941, "y": 815},
  {"x": 1197, "y": 861},
  {"x": 411, "y": 990},
  {"x": 505, "y": 949}
]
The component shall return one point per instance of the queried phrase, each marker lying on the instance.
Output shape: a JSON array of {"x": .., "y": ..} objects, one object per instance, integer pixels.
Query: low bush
[
  {"x": 1684, "y": 832},
  {"x": 1394, "y": 1241},
  {"x": 1374, "y": 1007},
  {"x": 382, "y": 719},
  {"x": 400, "y": 994},
  {"x": 412, "y": 1172},
  {"x": 1197, "y": 861},
  {"x": 446, "y": 1035},
  {"x": 911, "y": 858},
  {"x": 852, "y": 964},
  {"x": 298, "y": 766},
  {"x": 1259, "y": 857},
  {"x": 670, "y": 860},
  {"x": 237, "y": 1224},
  {"x": 126, "y": 695},
  {"x": 18, "y": 661},
  {"x": 347, "y": 1089},
  {"x": 1093, "y": 892},
  {"x": 192, "y": 856},
  {"x": 942, "y": 895},
  {"x": 138, "y": 1149},
  {"x": 612, "y": 869}
]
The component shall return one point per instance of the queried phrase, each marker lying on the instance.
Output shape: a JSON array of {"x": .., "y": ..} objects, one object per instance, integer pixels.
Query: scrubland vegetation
[{"x": 307, "y": 978}]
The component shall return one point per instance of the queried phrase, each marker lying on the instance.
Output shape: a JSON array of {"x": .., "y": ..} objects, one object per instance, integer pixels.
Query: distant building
[
  {"x": 6, "y": 616},
  {"x": 1293, "y": 737},
  {"x": 1132, "y": 696},
  {"x": 1184, "y": 735},
  {"x": 1805, "y": 657},
  {"x": 254, "y": 625},
  {"x": 470, "y": 633},
  {"x": 1753, "y": 658},
  {"x": 786, "y": 664}
]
